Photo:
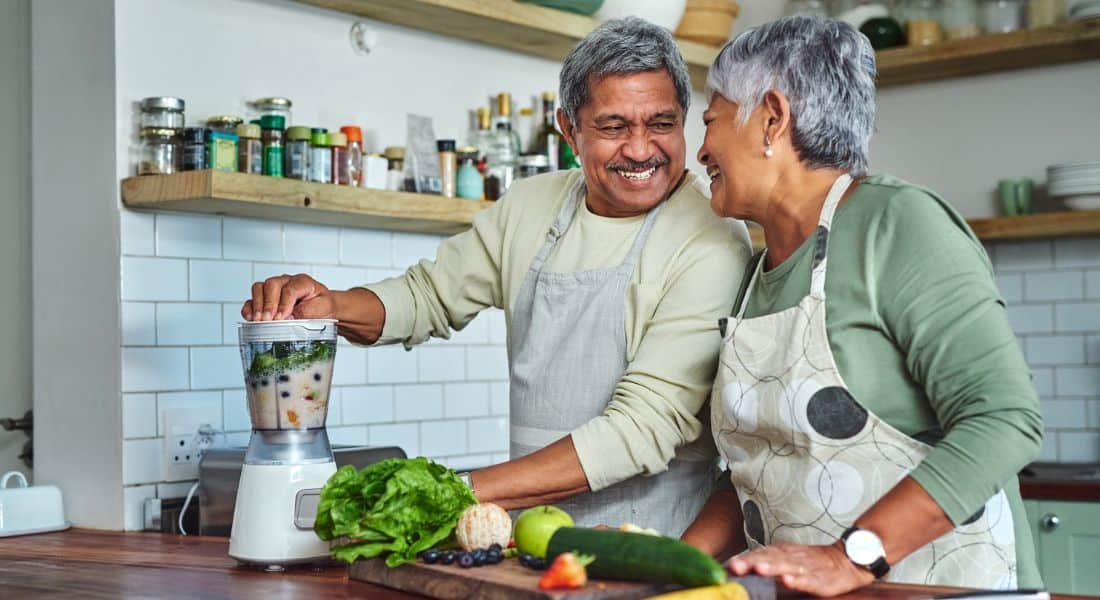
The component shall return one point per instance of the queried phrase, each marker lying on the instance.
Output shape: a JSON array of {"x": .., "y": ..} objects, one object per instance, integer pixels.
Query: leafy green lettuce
[{"x": 398, "y": 506}]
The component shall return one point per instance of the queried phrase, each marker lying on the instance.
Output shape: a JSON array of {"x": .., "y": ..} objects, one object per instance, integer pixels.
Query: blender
[{"x": 287, "y": 374}]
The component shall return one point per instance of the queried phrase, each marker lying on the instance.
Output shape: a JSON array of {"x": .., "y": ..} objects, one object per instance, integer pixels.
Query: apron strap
[
  {"x": 821, "y": 243},
  {"x": 643, "y": 234},
  {"x": 753, "y": 271},
  {"x": 561, "y": 224}
]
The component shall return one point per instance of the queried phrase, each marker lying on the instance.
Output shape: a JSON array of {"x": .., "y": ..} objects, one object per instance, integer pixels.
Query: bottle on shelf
[
  {"x": 480, "y": 134},
  {"x": 503, "y": 148},
  {"x": 548, "y": 140},
  {"x": 355, "y": 154}
]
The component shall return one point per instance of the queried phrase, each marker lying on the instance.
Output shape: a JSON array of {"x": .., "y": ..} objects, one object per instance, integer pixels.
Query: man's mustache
[{"x": 630, "y": 165}]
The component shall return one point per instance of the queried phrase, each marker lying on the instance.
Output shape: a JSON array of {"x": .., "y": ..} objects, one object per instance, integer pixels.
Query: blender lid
[{"x": 290, "y": 330}]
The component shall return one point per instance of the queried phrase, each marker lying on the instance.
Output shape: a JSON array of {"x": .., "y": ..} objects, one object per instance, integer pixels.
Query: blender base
[{"x": 269, "y": 527}]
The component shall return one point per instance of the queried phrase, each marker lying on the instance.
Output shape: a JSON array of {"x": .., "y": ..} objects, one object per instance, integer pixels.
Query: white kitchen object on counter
[
  {"x": 29, "y": 509},
  {"x": 665, "y": 13}
]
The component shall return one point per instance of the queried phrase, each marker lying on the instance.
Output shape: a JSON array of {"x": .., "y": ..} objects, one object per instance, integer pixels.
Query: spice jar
[
  {"x": 192, "y": 149},
  {"x": 355, "y": 154},
  {"x": 162, "y": 112},
  {"x": 272, "y": 134},
  {"x": 375, "y": 171},
  {"x": 960, "y": 19},
  {"x": 339, "y": 144},
  {"x": 224, "y": 124},
  {"x": 250, "y": 149},
  {"x": 532, "y": 164},
  {"x": 320, "y": 156},
  {"x": 273, "y": 106},
  {"x": 221, "y": 150},
  {"x": 158, "y": 151},
  {"x": 1002, "y": 16},
  {"x": 923, "y": 24},
  {"x": 1043, "y": 13},
  {"x": 469, "y": 182},
  {"x": 296, "y": 161},
  {"x": 395, "y": 174},
  {"x": 448, "y": 165}
]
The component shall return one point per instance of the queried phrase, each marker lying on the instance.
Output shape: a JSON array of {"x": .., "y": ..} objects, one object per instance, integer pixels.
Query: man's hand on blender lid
[{"x": 287, "y": 296}]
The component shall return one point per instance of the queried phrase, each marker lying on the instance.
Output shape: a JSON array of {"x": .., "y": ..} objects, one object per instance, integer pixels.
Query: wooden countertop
[
  {"x": 1061, "y": 481},
  {"x": 95, "y": 564}
]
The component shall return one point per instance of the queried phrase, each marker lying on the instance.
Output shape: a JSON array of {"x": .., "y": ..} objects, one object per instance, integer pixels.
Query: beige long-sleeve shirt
[{"x": 686, "y": 279}]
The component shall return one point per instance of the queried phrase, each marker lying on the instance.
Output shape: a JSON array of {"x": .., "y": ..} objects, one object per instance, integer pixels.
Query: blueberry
[
  {"x": 317, "y": 377},
  {"x": 538, "y": 563},
  {"x": 284, "y": 378},
  {"x": 263, "y": 381},
  {"x": 430, "y": 556},
  {"x": 478, "y": 553},
  {"x": 466, "y": 561},
  {"x": 447, "y": 557},
  {"x": 496, "y": 547},
  {"x": 525, "y": 559},
  {"x": 285, "y": 394},
  {"x": 493, "y": 556}
]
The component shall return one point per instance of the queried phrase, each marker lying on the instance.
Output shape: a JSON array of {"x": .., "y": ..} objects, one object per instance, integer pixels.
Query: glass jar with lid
[
  {"x": 297, "y": 153},
  {"x": 157, "y": 151},
  {"x": 273, "y": 106},
  {"x": 1002, "y": 16},
  {"x": 250, "y": 149},
  {"x": 960, "y": 19},
  {"x": 162, "y": 112},
  {"x": 812, "y": 8},
  {"x": 1043, "y": 13},
  {"x": 192, "y": 148},
  {"x": 923, "y": 21},
  {"x": 224, "y": 124}
]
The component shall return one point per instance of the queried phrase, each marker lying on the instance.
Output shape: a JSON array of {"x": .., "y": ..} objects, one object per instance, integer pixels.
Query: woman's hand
[
  {"x": 287, "y": 296},
  {"x": 818, "y": 570}
]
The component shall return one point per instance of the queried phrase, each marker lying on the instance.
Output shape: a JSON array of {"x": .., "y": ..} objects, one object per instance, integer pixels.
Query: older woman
[{"x": 871, "y": 399}]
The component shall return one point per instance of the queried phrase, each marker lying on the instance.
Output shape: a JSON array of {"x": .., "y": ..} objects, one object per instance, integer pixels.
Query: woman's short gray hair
[
  {"x": 621, "y": 47},
  {"x": 827, "y": 71}
]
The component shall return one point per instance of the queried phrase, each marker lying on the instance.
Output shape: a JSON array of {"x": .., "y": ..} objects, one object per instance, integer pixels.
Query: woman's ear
[{"x": 777, "y": 115}]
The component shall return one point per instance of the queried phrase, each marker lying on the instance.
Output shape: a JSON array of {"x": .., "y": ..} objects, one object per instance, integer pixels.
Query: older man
[{"x": 612, "y": 279}]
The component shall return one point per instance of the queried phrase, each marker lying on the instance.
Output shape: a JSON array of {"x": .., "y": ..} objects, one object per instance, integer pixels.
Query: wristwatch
[
  {"x": 865, "y": 549},
  {"x": 465, "y": 477}
]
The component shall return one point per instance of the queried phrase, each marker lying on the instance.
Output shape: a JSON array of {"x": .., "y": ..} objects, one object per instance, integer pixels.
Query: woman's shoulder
[{"x": 894, "y": 205}]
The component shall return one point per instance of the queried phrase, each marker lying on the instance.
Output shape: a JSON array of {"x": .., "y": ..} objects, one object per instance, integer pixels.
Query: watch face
[{"x": 863, "y": 547}]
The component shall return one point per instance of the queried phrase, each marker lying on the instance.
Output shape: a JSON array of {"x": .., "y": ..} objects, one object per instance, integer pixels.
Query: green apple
[{"x": 535, "y": 526}]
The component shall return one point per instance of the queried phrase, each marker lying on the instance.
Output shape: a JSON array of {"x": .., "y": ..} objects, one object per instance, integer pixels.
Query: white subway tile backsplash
[
  {"x": 1077, "y": 252},
  {"x": 365, "y": 247},
  {"x": 1055, "y": 285},
  {"x": 192, "y": 236},
  {"x": 141, "y": 461},
  {"x": 1092, "y": 349},
  {"x": 1043, "y": 380},
  {"x": 1078, "y": 317},
  {"x": 475, "y": 332},
  {"x": 235, "y": 411},
  {"x": 1078, "y": 446},
  {"x": 1011, "y": 286},
  {"x": 265, "y": 271},
  {"x": 137, "y": 230},
  {"x": 1023, "y": 256},
  {"x": 498, "y": 398},
  {"x": 470, "y": 462},
  {"x": 231, "y": 317},
  {"x": 145, "y": 278},
  {"x": 442, "y": 438},
  {"x": 139, "y": 416},
  {"x": 391, "y": 364},
  {"x": 1094, "y": 414},
  {"x": 1078, "y": 381},
  {"x": 417, "y": 402},
  {"x": 189, "y": 324},
  {"x": 409, "y": 248},
  {"x": 205, "y": 407},
  {"x": 220, "y": 281},
  {"x": 1056, "y": 350},
  {"x": 404, "y": 435},
  {"x": 486, "y": 363},
  {"x": 133, "y": 506},
  {"x": 1031, "y": 318},
  {"x": 488, "y": 435},
  {"x": 340, "y": 278},
  {"x": 139, "y": 324},
  {"x": 154, "y": 369},
  {"x": 350, "y": 367},
  {"x": 312, "y": 243},
  {"x": 355, "y": 435},
  {"x": 466, "y": 400},
  {"x": 498, "y": 328},
  {"x": 441, "y": 363},
  {"x": 367, "y": 404},
  {"x": 335, "y": 413},
  {"x": 249, "y": 239},
  {"x": 1064, "y": 414},
  {"x": 1049, "y": 450},
  {"x": 1092, "y": 285},
  {"x": 216, "y": 367}
]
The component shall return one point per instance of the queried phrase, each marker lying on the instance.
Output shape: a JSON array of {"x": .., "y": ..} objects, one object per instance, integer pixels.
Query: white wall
[{"x": 15, "y": 226}]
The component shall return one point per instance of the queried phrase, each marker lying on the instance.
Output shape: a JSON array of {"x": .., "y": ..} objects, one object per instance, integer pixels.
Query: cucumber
[{"x": 637, "y": 557}]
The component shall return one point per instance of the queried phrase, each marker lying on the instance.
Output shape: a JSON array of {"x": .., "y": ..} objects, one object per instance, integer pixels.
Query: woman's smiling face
[{"x": 733, "y": 155}]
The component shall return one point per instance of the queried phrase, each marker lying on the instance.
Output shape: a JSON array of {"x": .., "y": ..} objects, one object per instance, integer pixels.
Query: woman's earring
[{"x": 767, "y": 147}]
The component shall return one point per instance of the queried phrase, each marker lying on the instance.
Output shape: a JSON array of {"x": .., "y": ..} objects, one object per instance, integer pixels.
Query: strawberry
[{"x": 566, "y": 572}]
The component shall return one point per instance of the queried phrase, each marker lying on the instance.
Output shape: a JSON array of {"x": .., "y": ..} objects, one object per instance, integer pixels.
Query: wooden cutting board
[{"x": 511, "y": 581}]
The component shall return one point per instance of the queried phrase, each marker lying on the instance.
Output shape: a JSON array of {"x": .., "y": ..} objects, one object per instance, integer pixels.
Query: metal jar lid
[
  {"x": 162, "y": 103},
  {"x": 224, "y": 121},
  {"x": 273, "y": 103},
  {"x": 157, "y": 132},
  {"x": 394, "y": 152},
  {"x": 291, "y": 330}
]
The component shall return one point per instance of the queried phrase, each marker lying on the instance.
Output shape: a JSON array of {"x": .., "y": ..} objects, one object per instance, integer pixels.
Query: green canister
[{"x": 272, "y": 136}]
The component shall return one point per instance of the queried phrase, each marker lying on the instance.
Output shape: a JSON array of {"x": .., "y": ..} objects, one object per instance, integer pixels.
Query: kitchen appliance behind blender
[{"x": 288, "y": 374}]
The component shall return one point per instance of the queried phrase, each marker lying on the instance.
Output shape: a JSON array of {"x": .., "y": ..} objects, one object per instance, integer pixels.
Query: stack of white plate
[
  {"x": 1084, "y": 9},
  {"x": 1077, "y": 184}
]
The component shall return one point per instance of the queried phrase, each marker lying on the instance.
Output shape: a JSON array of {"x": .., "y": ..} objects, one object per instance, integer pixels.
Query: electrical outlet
[{"x": 185, "y": 437}]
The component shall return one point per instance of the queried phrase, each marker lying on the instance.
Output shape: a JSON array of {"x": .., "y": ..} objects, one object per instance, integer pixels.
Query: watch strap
[{"x": 878, "y": 568}]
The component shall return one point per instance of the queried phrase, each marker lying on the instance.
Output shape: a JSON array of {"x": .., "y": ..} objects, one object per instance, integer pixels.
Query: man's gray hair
[
  {"x": 621, "y": 47},
  {"x": 827, "y": 71}
]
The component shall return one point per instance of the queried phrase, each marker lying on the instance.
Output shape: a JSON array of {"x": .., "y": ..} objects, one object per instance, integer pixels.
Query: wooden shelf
[
  {"x": 1067, "y": 42},
  {"x": 260, "y": 197},
  {"x": 525, "y": 28},
  {"x": 1043, "y": 225}
]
